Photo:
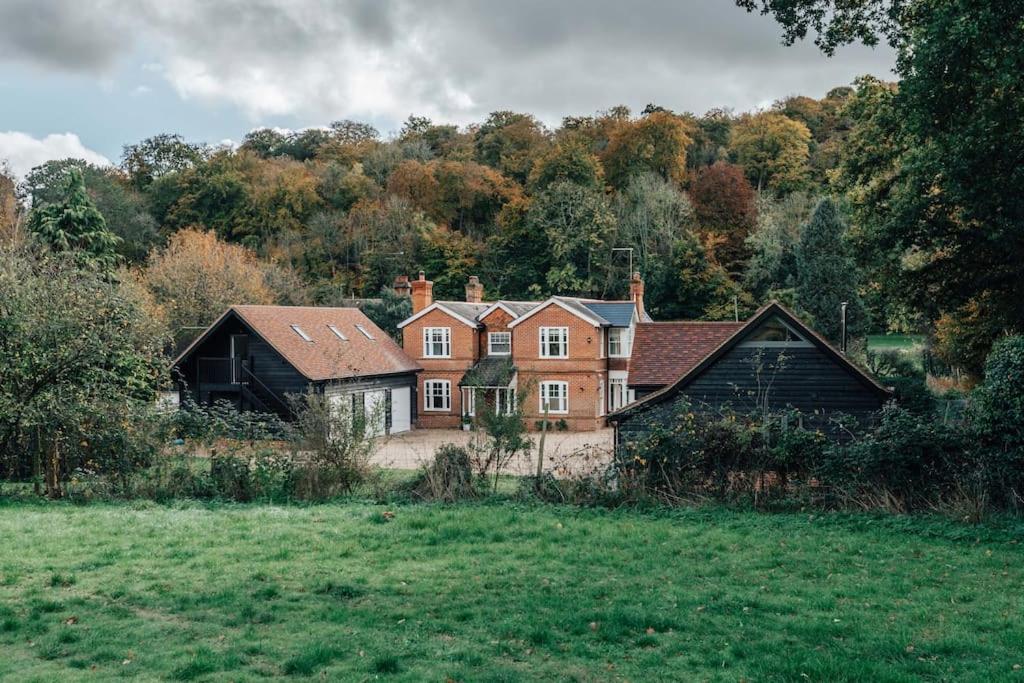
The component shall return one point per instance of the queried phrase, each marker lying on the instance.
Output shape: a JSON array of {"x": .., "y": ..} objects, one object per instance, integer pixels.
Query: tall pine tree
[
  {"x": 827, "y": 275},
  {"x": 75, "y": 225}
]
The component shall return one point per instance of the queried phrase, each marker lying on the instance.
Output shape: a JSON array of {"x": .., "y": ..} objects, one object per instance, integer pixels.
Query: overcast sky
[{"x": 84, "y": 77}]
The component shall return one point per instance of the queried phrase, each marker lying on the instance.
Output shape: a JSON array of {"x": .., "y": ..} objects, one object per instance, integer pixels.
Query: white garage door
[{"x": 401, "y": 410}]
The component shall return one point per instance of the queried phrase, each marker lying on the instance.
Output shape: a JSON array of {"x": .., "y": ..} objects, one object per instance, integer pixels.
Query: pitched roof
[
  {"x": 617, "y": 313},
  {"x": 665, "y": 351},
  {"x": 490, "y": 371},
  {"x": 326, "y": 356},
  {"x": 773, "y": 308}
]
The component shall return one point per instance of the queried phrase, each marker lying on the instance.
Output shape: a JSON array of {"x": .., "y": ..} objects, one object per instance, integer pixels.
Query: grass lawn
[
  {"x": 501, "y": 592},
  {"x": 896, "y": 342}
]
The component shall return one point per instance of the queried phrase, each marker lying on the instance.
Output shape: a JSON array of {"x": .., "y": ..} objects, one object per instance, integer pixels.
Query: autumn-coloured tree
[
  {"x": 10, "y": 208},
  {"x": 570, "y": 159},
  {"x": 509, "y": 142},
  {"x": 415, "y": 181},
  {"x": 726, "y": 210},
  {"x": 655, "y": 143},
  {"x": 773, "y": 150},
  {"x": 196, "y": 277}
]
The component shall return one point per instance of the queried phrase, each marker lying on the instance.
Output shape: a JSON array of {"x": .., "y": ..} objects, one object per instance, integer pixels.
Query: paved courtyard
[{"x": 565, "y": 453}]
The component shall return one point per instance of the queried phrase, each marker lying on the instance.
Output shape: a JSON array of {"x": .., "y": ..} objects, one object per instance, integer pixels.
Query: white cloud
[{"x": 23, "y": 152}]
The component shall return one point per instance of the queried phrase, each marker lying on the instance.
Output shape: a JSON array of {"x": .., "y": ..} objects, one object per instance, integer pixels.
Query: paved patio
[{"x": 565, "y": 453}]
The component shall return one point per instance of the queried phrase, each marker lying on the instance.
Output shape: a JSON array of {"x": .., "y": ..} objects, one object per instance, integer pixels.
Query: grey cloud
[{"x": 458, "y": 60}]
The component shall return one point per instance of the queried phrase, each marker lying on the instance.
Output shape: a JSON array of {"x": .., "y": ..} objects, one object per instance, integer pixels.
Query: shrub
[
  {"x": 906, "y": 462},
  {"x": 448, "y": 478},
  {"x": 997, "y": 417}
]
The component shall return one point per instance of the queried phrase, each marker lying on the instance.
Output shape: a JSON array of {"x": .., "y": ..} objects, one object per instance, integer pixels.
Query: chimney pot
[{"x": 402, "y": 286}]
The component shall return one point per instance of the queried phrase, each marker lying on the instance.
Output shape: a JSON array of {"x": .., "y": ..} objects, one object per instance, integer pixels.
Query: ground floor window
[
  {"x": 554, "y": 397},
  {"x": 618, "y": 396},
  {"x": 437, "y": 395}
]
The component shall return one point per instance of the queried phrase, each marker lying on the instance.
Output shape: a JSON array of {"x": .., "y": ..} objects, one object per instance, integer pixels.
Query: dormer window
[
  {"x": 299, "y": 331},
  {"x": 365, "y": 332},
  {"x": 775, "y": 333},
  {"x": 618, "y": 342},
  {"x": 337, "y": 333}
]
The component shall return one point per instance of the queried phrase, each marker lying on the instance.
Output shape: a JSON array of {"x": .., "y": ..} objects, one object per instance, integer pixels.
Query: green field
[
  {"x": 895, "y": 342},
  {"x": 502, "y": 592}
]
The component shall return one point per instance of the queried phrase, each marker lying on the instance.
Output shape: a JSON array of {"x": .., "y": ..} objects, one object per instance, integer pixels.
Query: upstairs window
[
  {"x": 366, "y": 333},
  {"x": 437, "y": 342},
  {"x": 499, "y": 343},
  {"x": 299, "y": 331},
  {"x": 554, "y": 342},
  {"x": 337, "y": 333},
  {"x": 618, "y": 342}
]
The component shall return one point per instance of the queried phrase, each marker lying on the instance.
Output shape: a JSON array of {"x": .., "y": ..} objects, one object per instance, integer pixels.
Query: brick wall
[{"x": 464, "y": 352}]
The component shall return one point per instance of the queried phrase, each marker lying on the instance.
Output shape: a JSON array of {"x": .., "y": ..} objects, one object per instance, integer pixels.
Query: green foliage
[
  {"x": 158, "y": 156},
  {"x": 79, "y": 354},
  {"x": 73, "y": 224},
  {"x": 772, "y": 268},
  {"x": 773, "y": 151},
  {"x": 448, "y": 478},
  {"x": 827, "y": 275},
  {"x": 391, "y": 309}
]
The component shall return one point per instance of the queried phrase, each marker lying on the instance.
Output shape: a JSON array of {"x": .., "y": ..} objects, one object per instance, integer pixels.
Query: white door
[
  {"x": 401, "y": 410},
  {"x": 375, "y": 403}
]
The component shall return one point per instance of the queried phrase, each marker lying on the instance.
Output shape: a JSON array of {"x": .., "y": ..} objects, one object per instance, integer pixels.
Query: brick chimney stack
[
  {"x": 474, "y": 290},
  {"x": 402, "y": 286},
  {"x": 636, "y": 293},
  {"x": 422, "y": 293}
]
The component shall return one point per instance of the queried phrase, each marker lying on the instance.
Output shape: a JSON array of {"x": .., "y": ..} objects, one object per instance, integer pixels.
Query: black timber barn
[{"x": 771, "y": 362}]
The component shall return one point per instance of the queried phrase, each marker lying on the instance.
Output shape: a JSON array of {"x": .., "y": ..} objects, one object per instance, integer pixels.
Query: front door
[{"x": 239, "y": 353}]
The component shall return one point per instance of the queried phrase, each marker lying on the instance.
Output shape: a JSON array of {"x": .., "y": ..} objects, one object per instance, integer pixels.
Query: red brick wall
[
  {"x": 464, "y": 354},
  {"x": 583, "y": 369}
]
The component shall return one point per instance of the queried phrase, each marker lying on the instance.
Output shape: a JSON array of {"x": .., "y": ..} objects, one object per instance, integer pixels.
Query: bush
[
  {"x": 906, "y": 462},
  {"x": 448, "y": 478},
  {"x": 997, "y": 417}
]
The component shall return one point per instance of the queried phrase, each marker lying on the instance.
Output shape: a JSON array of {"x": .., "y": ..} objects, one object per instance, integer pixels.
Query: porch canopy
[{"x": 490, "y": 377}]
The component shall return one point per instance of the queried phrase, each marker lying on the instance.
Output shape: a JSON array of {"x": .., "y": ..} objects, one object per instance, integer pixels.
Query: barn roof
[
  {"x": 304, "y": 337},
  {"x": 763, "y": 314},
  {"x": 665, "y": 351}
]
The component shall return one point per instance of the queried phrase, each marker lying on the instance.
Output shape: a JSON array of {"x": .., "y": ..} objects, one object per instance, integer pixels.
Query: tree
[
  {"x": 197, "y": 277},
  {"x": 950, "y": 225},
  {"x": 81, "y": 356},
  {"x": 771, "y": 271},
  {"x": 726, "y": 210},
  {"x": 827, "y": 275},
  {"x": 656, "y": 143},
  {"x": 773, "y": 151},
  {"x": 388, "y": 311},
  {"x": 10, "y": 208},
  {"x": 157, "y": 156},
  {"x": 652, "y": 215},
  {"x": 124, "y": 209},
  {"x": 509, "y": 142},
  {"x": 75, "y": 225},
  {"x": 570, "y": 159},
  {"x": 710, "y": 139},
  {"x": 579, "y": 226},
  {"x": 694, "y": 286}
]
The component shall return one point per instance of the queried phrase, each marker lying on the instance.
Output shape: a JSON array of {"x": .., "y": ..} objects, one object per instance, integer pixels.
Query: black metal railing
[{"x": 220, "y": 370}]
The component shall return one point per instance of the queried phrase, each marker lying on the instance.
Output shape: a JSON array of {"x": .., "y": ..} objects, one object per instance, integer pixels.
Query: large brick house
[{"x": 567, "y": 355}]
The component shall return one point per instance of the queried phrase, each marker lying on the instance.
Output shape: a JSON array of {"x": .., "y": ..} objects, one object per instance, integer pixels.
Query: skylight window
[
  {"x": 299, "y": 331},
  {"x": 337, "y": 333},
  {"x": 365, "y": 332}
]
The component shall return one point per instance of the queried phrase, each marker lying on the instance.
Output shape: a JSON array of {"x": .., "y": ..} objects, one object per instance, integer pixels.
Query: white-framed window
[
  {"x": 499, "y": 343},
  {"x": 554, "y": 397},
  {"x": 469, "y": 401},
  {"x": 366, "y": 332},
  {"x": 618, "y": 342},
  {"x": 337, "y": 333},
  {"x": 437, "y": 395},
  {"x": 554, "y": 342},
  {"x": 600, "y": 398},
  {"x": 617, "y": 394},
  {"x": 302, "y": 333},
  {"x": 437, "y": 342}
]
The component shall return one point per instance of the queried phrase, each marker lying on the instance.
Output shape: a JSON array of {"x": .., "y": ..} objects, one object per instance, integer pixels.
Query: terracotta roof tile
[
  {"x": 327, "y": 356},
  {"x": 665, "y": 351}
]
